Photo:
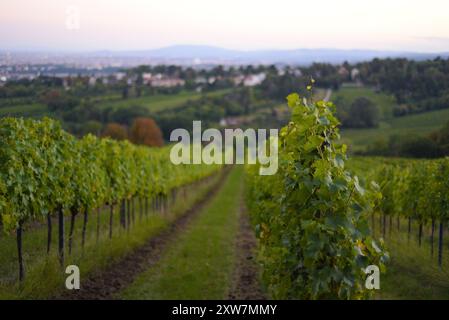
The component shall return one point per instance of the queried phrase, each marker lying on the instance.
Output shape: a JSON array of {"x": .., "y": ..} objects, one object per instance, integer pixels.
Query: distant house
[
  {"x": 342, "y": 71},
  {"x": 146, "y": 77},
  {"x": 119, "y": 76},
  {"x": 254, "y": 79},
  {"x": 355, "y": 74},
  {"x": 223, "y": 122},
  {"x": 297, "y": 73},
  {"x": 167, "y": 82},
  {"x": 92, "y": 81},
  {"x": 211, "y": 80},
  {"x": 66, "y": 83},
  {"x": 229, "y": 121},
  {"x": 237, "y": 80},
  {"x": 281, "y": 72},
  {"x": 200, "y": 80}
]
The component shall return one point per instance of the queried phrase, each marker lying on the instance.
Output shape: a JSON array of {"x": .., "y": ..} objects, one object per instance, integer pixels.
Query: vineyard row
[{"x": 47, "y": 173}]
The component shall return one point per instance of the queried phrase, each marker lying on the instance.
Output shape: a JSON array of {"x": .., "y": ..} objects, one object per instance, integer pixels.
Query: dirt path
[
  {"x": 246, "y": 285},
  {"x": 105, "y": 284}
]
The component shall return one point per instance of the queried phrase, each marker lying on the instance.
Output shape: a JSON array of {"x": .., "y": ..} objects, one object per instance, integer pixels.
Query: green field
[
  {"x": 383, "y": 101},
  {"x": 154, "y": 103},
  {"x": 160, "y": 102},
  {"x": 29, "y": 110},
  {"x": 417, "y": 124}
]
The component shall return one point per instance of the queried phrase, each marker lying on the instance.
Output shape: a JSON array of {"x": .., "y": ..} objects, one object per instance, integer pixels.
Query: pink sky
[{"x": 236, "y": 24}]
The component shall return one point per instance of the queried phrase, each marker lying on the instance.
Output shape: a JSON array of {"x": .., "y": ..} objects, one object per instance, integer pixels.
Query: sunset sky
[{"x": 236, "y": 24}]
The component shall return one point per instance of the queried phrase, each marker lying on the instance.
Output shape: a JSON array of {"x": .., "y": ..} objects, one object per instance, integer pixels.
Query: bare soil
[{"x": 246, "y": 279}]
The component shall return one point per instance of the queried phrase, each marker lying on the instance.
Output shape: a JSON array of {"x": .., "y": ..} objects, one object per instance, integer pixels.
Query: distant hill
[
  {"x": 295, "y": 56},
  {"x": 199, "y": 54}
]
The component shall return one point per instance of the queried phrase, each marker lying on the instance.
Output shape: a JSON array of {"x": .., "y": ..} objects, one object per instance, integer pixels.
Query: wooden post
[
  {"x": 420, "y": 234},
  {"x": 49, "y": 232},
  {"x": 61, "y": 236},
  {"x": 140, "y": 208},
  {"x": 432, "y": 232},
  {"x": 440, "y": 245},
  {"x": 146, "y": 206},
  {"x": 19, "y": 251},
  {"x": 98, "y": 224},
  {"x": 123, "y": 214},
  {"x": 409, "y": 228},
  {"x": 111, "y": 220},
  {"x": 74, "y": 212},
  {"x": 128, "y": 214},
  {"x": 83, "y": 235}
]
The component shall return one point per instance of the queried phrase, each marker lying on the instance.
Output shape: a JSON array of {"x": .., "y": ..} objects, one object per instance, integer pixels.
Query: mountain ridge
[{"x": 191, "y": 54}]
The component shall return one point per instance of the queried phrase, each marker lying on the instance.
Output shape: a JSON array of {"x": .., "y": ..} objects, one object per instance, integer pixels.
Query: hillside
[{"x": 417, "y": 124}]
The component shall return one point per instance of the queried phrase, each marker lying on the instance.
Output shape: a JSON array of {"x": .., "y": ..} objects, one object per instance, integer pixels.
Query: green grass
[
  {"x": 383, "y": 101},
  {"x": 44, "y": 276},
  {"x": 154, "y": 103},
  {"x": 412, "y": 272},
  {"x": 199, "y": 264},
  {"x": 33, "y": 109},
  {"x": 417, "y": 124},
  {"x": 160, "y": 102}
]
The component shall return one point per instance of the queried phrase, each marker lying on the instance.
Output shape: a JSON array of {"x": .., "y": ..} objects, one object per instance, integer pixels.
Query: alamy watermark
[
  {"x": 261, "y": 147},
  {"x": 72, "y": 282},
  {"x": 372, "y": 281}
]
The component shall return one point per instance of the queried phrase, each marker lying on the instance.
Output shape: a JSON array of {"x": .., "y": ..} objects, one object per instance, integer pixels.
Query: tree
[
  {"x": 363, "y": 114},
  {"x": 115, "y": 131},
  {"x": 92, "y": 127},
  {"x": 419, "y": 147},
  {"x": 124, "y": 87},
  {"x": 126, "y": 116},
  {"x": 145, "y": 131},
  {"x": 441, "y": 138},
  {"x": 58, "y": 101}
]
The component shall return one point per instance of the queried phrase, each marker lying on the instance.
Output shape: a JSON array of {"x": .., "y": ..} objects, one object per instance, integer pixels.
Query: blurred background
[{"x": 97, "y": 66}]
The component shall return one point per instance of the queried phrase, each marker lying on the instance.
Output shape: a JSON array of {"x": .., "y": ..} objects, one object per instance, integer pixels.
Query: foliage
[
  {"x": 362, "y": 113},
  {"x": 311, "y": 216},
  {"x": 58, "y": 101},
  {"x": 410, "y": 146},
  {"x": 411, "y": 188},
  {"x": 115, "y": 131},
  {"x": 144, "y": 131},
  {"x": 44, "y": 169},
  {"x": 418, "y": 86}
]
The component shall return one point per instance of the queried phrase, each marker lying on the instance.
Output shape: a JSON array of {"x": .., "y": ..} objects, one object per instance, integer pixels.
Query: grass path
[
  {"x": 412, "y": 272},
  {"x": 199, "y": 265}
]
